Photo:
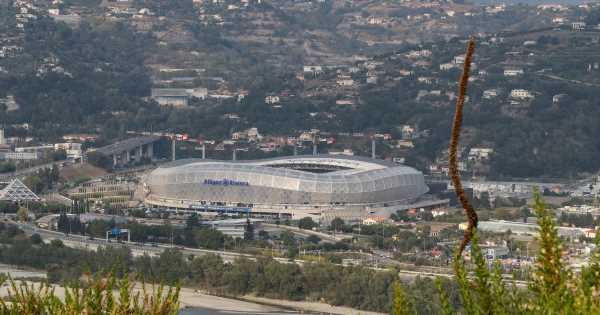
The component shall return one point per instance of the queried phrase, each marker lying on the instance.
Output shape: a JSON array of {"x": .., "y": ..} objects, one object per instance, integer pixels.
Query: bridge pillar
[
  {"x": 140, "y": 153},
  {"x": 150, "y": 151}
]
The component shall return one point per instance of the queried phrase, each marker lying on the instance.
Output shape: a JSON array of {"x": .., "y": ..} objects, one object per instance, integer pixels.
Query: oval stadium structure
[{"x": 321, "y": 186}]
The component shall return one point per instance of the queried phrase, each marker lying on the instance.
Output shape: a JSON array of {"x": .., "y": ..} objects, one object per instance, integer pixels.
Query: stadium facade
[{"x": 321, "y": 186}]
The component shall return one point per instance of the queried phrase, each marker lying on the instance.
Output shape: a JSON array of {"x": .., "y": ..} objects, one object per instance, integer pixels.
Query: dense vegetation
[
  {"x": 93, "y": 78},
  {"x": 553, "y": 289},
  {"x": 357, "y": 287},
  {"x": 96, "y": 296}
]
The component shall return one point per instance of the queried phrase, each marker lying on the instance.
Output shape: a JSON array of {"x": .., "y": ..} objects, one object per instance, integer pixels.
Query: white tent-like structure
[{"x": 16, "y": 191}]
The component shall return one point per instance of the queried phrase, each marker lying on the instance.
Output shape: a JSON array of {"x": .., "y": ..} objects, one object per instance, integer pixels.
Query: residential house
[
  {"x": 408, "y": 132},
  {"x": 419, "y": 53},
  {"x": 72, "y": 149},
  {"x": 375, "y": 20},
  {"x": 314, "y": 70},
  {"x": 425, "y": 80},
  {"x": 513, "y": 72},
  {"x": 521, "y": 94},
  {"x": 578, "y": 26},
  {"x": 478, "y": 154},
  {"x": 559, "y": 20},
  {"x": 489, "y": 94},
  {"x": 345, "y": 81},
  {"x": 558, "y": 97},
  {"x": 372, "y": 79},
  {"x": 459, "y": 60},
  {"x": 371, "y": 220},
  {"x": 447, "y": 66},
  {"x": 272, "y": 99}
]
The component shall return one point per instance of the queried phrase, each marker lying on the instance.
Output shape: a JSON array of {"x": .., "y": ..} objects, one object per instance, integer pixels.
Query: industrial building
[{"x": 322, "y": 187}]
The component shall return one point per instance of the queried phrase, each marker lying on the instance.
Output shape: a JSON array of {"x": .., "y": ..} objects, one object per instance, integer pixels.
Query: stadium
[{"x": 322, "y": 187}]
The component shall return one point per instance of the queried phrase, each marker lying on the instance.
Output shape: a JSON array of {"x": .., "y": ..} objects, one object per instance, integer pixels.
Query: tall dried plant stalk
[{"x": 456, "y": 127}]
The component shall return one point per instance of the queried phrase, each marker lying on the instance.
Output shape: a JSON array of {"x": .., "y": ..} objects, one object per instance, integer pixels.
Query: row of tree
[{"x": 356, "y": 287}]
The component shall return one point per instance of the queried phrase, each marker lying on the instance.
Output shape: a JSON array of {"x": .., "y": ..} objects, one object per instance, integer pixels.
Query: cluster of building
[{"x": 12, "y": 150}]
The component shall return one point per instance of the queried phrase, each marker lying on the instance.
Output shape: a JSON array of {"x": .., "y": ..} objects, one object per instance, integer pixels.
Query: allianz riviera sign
[{"x": 225, "y": 182}]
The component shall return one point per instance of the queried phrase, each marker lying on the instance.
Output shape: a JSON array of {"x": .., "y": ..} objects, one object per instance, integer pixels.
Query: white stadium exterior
[{"x": 322, "y": 187}]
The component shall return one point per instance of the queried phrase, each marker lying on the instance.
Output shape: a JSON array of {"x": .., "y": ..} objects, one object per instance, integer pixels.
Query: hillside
[{"x": 373, "y": 66}]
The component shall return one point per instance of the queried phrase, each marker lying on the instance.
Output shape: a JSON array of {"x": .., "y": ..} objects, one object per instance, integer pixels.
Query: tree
[
  {"x": 36, "y": 239},
  {"x": 337, "y": 224},
  {"x": 59, "y": 155},
  {"x": 307, "y": 223},
  {"x": 313, "y": 239},
  {"x": 34, "y": 182},
  {"x": 23, "y": 214},
  {"x": 99, "y": 160},
  {"x": 171, "y": 266},
  {"x": 287, "y": 238},
  {"x": 525, "y": 213},
  {"x": 249, "y": 231},
  {"x": 192, "y": 221},
  {"x": 7, "y": 167},
  {"x": 210, "y": 238},
  {"x": 263, "y": 235}
]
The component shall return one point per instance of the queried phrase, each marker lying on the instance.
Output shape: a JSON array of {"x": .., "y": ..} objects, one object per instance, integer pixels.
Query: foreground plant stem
[{"x": 453, "y": 160}]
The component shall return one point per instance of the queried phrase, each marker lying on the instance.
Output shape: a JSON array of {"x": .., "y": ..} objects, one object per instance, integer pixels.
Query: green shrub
[{"x": 97, "y": 296}]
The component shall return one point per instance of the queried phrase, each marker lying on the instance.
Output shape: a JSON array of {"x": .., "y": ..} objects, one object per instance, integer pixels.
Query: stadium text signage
[{"x": 225, "y": 182}]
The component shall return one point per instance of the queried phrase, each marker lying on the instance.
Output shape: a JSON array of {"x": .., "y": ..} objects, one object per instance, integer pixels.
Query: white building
[
  {"x": 447, "y": 66},
  {"x": 272, "y": 99},
  {"x": 521, "y": 94},
  {"x": 578, "y": 26},
  {"x": 513, "y": 72},
  {"x": 419, "y": 53},
  {"x": 426, "y": 80},
  {"x": 478, "y": 154},
  {"x": 375, "y": 20},
  {"x": 72, "y": 149},
  {"x": 253, "y": 134},
  {"x": 313, "y": 69},
  {"x": 21, "y": 156},
  {"x": 408, "y": 132},
  {"x": 559, "y": 20},
  {"x": 177, "y": 97},
  {"x": 459, "y": 60},
  {"x": 345, "y": 82},
  {"x": 489, "y": 94}
]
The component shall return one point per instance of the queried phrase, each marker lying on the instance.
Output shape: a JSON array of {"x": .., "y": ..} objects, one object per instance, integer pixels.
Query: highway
[
  {"x": 154, "y": 250},
  {"x": 137, "y": 249},
  {"x": 25, "y": 171},
  {"x": 323, "y": 236}
]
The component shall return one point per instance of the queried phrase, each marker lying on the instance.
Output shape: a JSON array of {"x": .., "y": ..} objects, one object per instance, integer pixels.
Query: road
[
  {"x": 139, "y": 249},
  {"x": 25, "y": 171},
  {"x": 555, "y": 77},
  {"x": 323, "y": 236}
]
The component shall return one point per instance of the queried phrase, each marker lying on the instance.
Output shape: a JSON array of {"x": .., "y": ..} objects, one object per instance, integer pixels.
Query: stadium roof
[{"x": 364, "y": 171}]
